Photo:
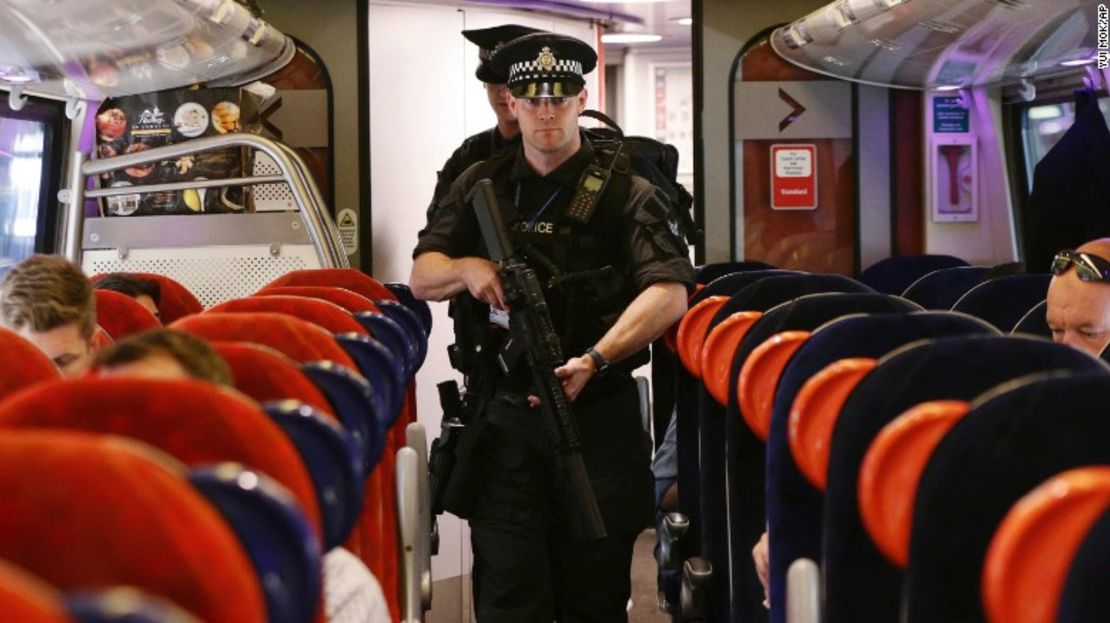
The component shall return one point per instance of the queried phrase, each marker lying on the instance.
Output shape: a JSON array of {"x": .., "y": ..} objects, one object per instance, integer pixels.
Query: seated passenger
[
  {"x": 351, "y": 593},
  {"x": 1078, "y": 309},
  {"x": 50, "y": 302},
  {"x": 145, "y": 291},
  {"x": 164, "y": 354}
]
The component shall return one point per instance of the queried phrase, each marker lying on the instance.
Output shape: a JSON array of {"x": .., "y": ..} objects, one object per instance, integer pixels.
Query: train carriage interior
[{"x": 877, "y": 407}]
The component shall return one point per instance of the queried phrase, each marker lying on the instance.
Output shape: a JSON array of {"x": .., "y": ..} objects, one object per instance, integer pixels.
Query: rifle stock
[{"x": 531, "y": 328}]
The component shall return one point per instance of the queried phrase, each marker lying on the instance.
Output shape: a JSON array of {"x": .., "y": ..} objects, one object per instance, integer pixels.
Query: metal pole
[{"x": 74, "y": 200}]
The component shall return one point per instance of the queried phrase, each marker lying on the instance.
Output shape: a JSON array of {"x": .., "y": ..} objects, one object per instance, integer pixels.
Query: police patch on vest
[{"x": 541, "y": 227}]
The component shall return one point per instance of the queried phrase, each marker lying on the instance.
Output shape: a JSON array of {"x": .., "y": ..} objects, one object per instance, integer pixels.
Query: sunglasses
[{"x": 1088, "y": 267}]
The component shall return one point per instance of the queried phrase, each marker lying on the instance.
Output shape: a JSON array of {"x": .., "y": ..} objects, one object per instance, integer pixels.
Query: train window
[
  {"x": 1043, "y": 125},
  {"x": 22, "y": 154}
]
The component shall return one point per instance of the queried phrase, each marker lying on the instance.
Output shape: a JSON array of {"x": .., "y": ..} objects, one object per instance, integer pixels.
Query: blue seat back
[
  {"x": 124, "y": 605},
  {"x": 794, "y": 506},
  {"x": 954, "y": 368},
  {"x": 1034, "y": 321},
  {"x": 405, "y": 296},
  {"x": 384, "y": 371},
  {"x": 332, "y": 460},
  {"x": 275, "y": 534},
  {"x": 941, "y": 288},
  {"x": 1014, "y": 439},
  {"x": 1004, "y": 300},
  {"x": 709, "y": 272},
  {"x": 726, "y": 443},
  {"x": 410, "y": 322},
  {"x": 356, "y": 404},
  {"x": 395, "y": 338},
  {"x": 894, "y": 274},
  {"x": 1084, "y": 596}
]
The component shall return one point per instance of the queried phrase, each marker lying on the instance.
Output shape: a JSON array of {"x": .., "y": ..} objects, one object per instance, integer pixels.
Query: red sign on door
[{"x": 793, "y": 177}]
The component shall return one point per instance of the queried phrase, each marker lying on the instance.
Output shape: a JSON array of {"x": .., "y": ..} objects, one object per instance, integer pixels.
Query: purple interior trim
[
  {"x": 87, "y": 144},
  {"x": 565, "y": 8}
]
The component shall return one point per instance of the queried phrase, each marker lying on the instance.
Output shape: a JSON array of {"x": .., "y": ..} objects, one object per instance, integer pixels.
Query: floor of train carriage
[
  {"x": 644, "y": 601},
  {"x": 645, "y": 607}
]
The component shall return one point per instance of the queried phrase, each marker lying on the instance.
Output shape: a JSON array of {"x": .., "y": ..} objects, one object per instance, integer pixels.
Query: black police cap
[
  {"x": 489, "y": 40},
  {"x": 545, "y": 65}
]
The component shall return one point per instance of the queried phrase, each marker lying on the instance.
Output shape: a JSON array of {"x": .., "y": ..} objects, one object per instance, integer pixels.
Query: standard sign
[{"x": 793, "y": 177}]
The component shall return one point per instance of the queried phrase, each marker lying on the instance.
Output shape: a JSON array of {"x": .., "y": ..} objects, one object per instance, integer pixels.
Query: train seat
[
  {"x": 726, "y": 443},
  {"x": 1004, "y": 300},
  {"x": 1084, "y": 596},
  {"x": 1034, "y": 321},
  {"x": 860, "y": 583},
  {"x": 34, "y": 366},
  {"x": 317, "y": 311},
  {"x": 707, "y": 273},
  {"x": 142, "y": 524},
  {"x": 349, "y": 278},
  {"x": 120, "y": 315},
  {"x": 25, "y": 597},
  {"x": 405, "y": 296},
  {"x": 342, "y": 297},
  {"x": 124, "y": 604},
  {"x": 684, "y": 402},
  {"x": 367, "y": 286},
  {"x": 374, "y": 538},
  {"x": 1016, "y": 437},
  {"x": 941, "y": 288},
  {"x": 1029, "y": 557},
  {"x": 377, "y": 364},
  {"x": 267, "y": 375},
  {"x": 175, "y": 300},
  {"x": 333, "y": 461},
  {"x": 783, "y": 327},
  {"x": 893, "y": 275},
  {"x": 273, "y": 530},
  {"x": 221, "y": 426},
  {"x": 298, "y": 339}
]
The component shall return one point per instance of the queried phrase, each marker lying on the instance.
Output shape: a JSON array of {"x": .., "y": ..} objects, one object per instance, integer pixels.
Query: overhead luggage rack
[
  {"x": 217, "y": 256},
  {"x": 95, "y": 49}
]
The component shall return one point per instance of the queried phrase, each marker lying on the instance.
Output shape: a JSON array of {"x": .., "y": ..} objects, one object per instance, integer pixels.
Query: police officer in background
[
  {"x": 507, "y": 132},
  {"x": 617, "y": 276}
]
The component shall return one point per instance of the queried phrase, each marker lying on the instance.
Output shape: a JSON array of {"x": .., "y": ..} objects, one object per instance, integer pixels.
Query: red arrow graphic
[{"x": 797, "y": 111}]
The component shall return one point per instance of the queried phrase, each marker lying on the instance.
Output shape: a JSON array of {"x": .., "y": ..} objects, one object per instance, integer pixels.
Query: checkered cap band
[{"x": 531, "y": 71}]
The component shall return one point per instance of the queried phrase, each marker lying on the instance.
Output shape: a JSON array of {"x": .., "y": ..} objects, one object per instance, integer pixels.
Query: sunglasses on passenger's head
[{"x": 1088, "y": 266}]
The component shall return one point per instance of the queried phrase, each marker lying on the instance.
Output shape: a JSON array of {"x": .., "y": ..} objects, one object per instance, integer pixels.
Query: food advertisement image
[{"x": 136, "y": 123}]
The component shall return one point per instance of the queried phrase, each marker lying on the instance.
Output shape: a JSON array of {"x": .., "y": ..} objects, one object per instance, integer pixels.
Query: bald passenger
[{"x": 1078, "y": 310}]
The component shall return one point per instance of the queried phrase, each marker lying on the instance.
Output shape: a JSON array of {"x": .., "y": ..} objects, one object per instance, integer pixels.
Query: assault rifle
[{"x": 533, "y": 334}]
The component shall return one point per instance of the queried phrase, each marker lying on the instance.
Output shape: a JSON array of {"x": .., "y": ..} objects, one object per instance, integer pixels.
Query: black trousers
[{"x": 530, "y": 565}]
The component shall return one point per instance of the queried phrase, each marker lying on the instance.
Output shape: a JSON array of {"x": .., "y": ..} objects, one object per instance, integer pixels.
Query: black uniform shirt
[
  {"x": 475, "y": 148},
  {"x": 643, "y": 237}
]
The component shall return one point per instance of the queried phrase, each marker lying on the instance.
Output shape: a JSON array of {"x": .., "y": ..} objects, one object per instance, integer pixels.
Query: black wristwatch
[{"x": 600, "y": 364}]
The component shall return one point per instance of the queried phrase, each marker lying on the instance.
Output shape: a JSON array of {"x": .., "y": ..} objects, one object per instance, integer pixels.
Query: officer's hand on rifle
[
  {"x": 480, "y": 276},
  {"x": 576, "y": 372}
]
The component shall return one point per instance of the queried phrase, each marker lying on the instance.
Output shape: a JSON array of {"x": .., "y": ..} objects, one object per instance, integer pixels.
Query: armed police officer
[
  {"x": 616, "y": 275},
  {"x": 507, "y": 132}
]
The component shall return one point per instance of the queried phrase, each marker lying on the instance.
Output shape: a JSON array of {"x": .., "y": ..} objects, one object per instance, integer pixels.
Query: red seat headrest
[
  {"x": 84, "y": 511},
  {"x": 342, "y": 297},
  {"x": 328, "y": 315},
  {"x": 297, "y": 339},
  {"x": 120, "y": 315},
  {"x": 26, "y": 598},
  {"x": 175, "y": 300},
  {"x": 34, "y": 366},
  {"x": 265, "y": 374},
  {"x": 349, "y": 278},
  {"x": 195, "y": 422}
]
